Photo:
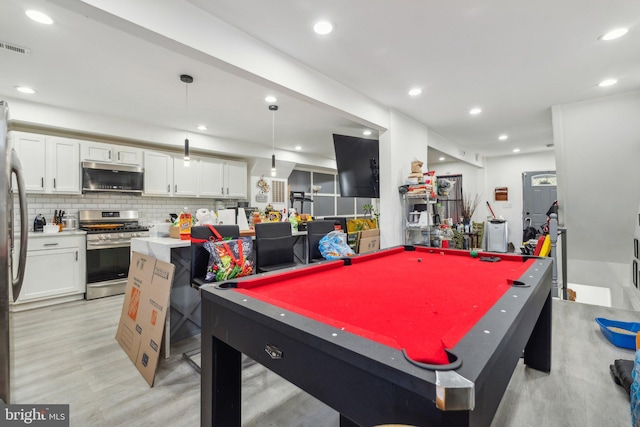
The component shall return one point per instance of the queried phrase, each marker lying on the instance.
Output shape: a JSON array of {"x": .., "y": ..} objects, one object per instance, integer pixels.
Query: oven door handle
[{"x": 109, "y": 244}]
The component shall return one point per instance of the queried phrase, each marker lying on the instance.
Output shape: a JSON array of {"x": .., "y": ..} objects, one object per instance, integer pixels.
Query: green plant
[{"x": 371, "y": 211}]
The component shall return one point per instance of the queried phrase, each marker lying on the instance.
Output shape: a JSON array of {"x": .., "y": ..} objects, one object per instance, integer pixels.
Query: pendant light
[
  {"x": 273, "y": 109},
  {"x": 186, "y": 79}
]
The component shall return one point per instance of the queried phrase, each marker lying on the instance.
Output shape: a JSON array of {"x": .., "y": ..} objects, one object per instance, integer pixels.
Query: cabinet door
[
  {"x": 31, "y": 149},
  {"x": 211, "y": 177},
  {"x": 158, "y": 174},
  {"x": 96, "y": 152},
  {"x": 64, "y": 166},
  {"x": 185, "y": 178},
  {"x": 50, "y": 273},
  {"x": 236, "y": 180},
  {"x": 128, "y": 155}
]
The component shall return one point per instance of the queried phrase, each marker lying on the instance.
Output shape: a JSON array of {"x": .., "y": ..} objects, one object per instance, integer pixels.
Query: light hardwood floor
[{"x": 68, "y": 354}]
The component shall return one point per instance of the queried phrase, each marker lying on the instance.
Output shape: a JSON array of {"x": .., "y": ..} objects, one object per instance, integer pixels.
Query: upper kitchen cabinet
[
  {"x": 236, "y": 180},
  {"x": 108, "y": 153},
  {"x": 185, "y": 178},
  {"x": 158, "y": 174},
  {"x": 223, "y": 178},
  {"x": 211, "y": 176},
  {"x": 166, "y": 175},
  {"x": 49, "y": 164}
]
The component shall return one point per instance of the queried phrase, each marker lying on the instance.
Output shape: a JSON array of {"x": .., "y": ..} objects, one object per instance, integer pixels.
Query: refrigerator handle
[{"x": 16, "y": 168}]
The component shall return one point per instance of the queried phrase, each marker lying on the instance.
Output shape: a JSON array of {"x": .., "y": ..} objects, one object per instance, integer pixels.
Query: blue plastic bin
[{"x": 617, "y": 338}]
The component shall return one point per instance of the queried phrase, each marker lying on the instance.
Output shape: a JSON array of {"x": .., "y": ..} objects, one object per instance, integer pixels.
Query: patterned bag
[{"x": 229, "y": 259}]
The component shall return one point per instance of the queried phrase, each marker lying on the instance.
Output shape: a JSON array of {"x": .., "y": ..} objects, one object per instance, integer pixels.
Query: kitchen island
[{"x": 183, "y": 319}]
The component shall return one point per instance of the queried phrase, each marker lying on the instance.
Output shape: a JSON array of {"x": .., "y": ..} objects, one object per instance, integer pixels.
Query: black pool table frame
[{"x": 366, "y": 382}]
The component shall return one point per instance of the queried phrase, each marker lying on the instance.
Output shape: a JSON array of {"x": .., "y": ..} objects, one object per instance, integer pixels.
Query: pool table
[{"x": 412, "y": 335}]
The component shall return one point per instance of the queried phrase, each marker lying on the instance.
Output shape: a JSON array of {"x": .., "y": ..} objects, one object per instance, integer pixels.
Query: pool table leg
[
  {"x": 221, "y": 384},
  {"x": 346, "y": 422},
  {"x": 537, "y": 353}
]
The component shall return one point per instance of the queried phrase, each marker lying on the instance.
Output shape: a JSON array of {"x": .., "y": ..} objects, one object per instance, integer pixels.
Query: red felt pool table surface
[{"x": 422, "y": 301}]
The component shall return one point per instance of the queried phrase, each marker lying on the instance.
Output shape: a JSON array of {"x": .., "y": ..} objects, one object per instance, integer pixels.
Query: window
[
  {"x": 323, "y": 189},
  {"x": 544, "y": 180}
]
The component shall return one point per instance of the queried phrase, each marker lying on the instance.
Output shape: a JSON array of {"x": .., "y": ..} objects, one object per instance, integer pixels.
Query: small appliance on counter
[
  {"x": 39, "y": 223},
  {"x": 69, "y": 222}
]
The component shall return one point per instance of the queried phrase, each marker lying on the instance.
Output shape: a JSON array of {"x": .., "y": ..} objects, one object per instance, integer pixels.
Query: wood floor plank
[{"x": 68, "y": 354}]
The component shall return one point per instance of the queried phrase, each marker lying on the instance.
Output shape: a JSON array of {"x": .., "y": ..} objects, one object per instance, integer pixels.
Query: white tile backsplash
[{"x": 152, "y": 209}]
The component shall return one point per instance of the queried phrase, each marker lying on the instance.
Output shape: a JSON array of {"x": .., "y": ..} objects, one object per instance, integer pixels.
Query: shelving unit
[{"x": 414, "y": 232}]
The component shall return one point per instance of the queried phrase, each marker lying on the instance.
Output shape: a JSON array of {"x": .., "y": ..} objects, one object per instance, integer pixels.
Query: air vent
[{"x": 15, "y": 49}]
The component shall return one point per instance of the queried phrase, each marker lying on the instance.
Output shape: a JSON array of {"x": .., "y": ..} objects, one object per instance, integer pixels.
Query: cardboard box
[
  {"x": 368, "y": 241},
  {"x": 144, "y": 311},
  {"x": 174, "y": 232}
]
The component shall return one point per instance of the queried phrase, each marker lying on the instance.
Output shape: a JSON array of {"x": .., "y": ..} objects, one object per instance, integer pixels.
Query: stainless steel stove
[{"x": 109, "y": 235}]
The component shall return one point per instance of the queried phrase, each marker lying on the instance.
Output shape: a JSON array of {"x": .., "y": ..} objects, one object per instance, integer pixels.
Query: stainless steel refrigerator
[{"x": 10, "y": 275}]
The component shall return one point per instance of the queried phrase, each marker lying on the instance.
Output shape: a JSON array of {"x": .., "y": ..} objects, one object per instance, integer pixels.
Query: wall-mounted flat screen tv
[{"x": 357, "y": 163}]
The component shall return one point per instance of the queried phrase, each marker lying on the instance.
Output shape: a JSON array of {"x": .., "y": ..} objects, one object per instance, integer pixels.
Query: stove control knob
[
  {"x": 121, "y": 235},
  {"x": 102, "y": 237}
]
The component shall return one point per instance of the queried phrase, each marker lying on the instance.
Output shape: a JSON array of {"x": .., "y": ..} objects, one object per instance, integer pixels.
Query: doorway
[{"x": 539, "y": 191}]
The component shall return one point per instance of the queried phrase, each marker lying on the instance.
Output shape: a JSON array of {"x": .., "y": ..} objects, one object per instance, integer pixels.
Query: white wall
[
  {"x": 451, "y": 149},
  {"x": 405, "y": 140},
  {"x": 598, "y": 152},
  {"x": 503, "y": 171},
  {"x": 506, "y": 171},
  {"x": 254, "y": 190}
]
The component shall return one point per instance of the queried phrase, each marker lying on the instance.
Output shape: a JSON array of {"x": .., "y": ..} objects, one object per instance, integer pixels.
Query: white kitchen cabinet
[
  {"x": 55, "y": 267},
  {"x": 32, "y": 151},
  {"x": 50, "y": 164},
  {"x": 235, "y": 180},
  {"x": 158, "y": 174},
  {"x": 108, "y": 153},
  {"x": 211, "y": 177},
  {"x": 185, "y": 178},
  {"x": 166, "y": 175}
]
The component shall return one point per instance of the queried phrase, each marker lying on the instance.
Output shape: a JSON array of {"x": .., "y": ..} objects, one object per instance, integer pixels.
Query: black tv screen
[{"x": 357, "y": 162}]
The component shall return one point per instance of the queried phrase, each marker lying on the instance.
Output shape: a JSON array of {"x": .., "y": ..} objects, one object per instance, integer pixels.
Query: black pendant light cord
[
  {"x": 273, "y": 109},
  {"x": 186, "y": 79}
]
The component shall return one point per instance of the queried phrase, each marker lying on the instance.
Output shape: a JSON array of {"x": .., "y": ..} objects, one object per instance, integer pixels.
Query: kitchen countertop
[
  {"x": 158, "y": 247},
  {"x": 162, "y": 241},
  {"x": 36, "y": 234}
]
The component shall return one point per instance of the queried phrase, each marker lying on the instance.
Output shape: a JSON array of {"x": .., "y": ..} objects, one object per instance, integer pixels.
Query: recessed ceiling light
[
  {"x": 475, "y": 111},
  {"x": 366, "y": 132},
  {"x": 607, "y": 82},
  {"x": 441, "y": 159},
  {"x": 39, "y": 17},
  {"x": 323, "y": 27},
  {"x": 516, "y": 150},
  {"x": 503, "y": 137},
  {"x": 298, "y": 148},
  {"x": 271, "y": 98},
  {"x": 614, "y": 34},
  {"x": 415, "y": 91},
  {"x": 25, "y": 89},
  {"x": 202, "y": 127}
]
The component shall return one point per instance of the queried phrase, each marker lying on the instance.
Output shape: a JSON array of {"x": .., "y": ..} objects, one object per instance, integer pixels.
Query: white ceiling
[{"x": 513, "y": 59}]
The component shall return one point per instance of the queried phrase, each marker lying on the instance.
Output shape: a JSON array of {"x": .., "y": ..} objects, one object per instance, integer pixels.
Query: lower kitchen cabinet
[{"x": 55, "y": 270}]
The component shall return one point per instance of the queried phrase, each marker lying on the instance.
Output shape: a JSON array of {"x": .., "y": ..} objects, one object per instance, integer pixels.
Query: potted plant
[{"x": 371, "y": 211}]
